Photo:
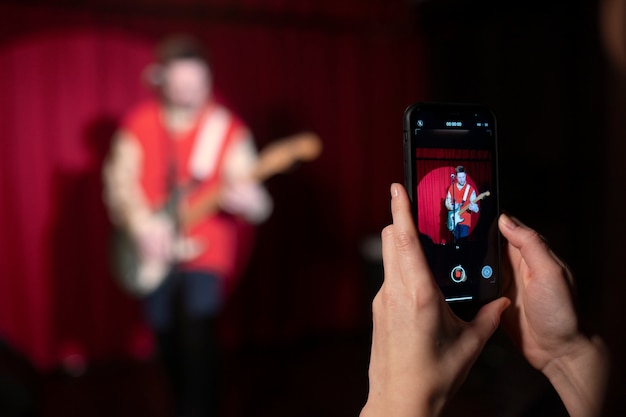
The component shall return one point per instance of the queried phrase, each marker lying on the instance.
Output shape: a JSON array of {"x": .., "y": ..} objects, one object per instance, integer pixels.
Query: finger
[
  {"x": 487, "y": 321},
  {"x": 409, "y": 254},
  {"x": 531, "y": 245},
  {"x": 390, "y": 262},
  {"x": 401, "y": 208}
]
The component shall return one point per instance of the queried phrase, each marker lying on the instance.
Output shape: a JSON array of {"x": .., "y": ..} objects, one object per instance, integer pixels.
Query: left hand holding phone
[{"x": 421, "y": 351}]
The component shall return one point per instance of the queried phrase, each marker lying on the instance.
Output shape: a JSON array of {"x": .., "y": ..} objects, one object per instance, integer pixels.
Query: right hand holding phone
[{"x": 543, "y": 321}]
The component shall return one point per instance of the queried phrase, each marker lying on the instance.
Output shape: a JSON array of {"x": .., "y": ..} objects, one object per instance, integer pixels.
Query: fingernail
[
  {"x": 394, "y": 190},
  {"x": 508, "y": 222}
]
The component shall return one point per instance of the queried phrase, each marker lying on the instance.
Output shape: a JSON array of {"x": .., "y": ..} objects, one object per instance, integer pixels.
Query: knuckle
[
  {"x": 387, "y": 231},
  {"x": 384, "y": 299},
  {"x": 404, "y": 241}
]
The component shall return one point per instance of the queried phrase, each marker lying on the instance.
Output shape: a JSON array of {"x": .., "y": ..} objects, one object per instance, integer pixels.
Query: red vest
[
  {"x": 457, "y": 196},
  {"x": 163, "y": 155}
]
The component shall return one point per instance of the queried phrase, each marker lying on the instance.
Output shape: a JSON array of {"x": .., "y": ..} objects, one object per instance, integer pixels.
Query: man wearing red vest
[
  {"x": 178, "y": 176},
  {"x": 459, "y": 196}
]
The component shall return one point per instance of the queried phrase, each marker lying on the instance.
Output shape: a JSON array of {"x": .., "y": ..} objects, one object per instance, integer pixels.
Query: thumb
[{"x": 488, "y": 318}]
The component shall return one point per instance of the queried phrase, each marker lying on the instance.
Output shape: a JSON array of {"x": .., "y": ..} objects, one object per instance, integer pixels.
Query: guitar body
[
  {"x": 453, "y": 219},
  {"x": 454, "y": 216},
  {"x": 125, "y": 262},
  {"x": 140, "y": 274}
]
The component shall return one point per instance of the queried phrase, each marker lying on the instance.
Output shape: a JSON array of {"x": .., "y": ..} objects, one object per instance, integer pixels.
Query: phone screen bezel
[{"x": 462, "y": 136}]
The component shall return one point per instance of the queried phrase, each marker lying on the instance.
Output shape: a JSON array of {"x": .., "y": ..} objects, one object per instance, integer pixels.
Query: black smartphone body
[{"x": 451, "y": 176}]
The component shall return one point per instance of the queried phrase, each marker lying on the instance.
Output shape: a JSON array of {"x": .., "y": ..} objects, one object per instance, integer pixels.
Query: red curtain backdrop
[
  {"x": 431, "y": 194},
  {"x": 435, "y": 171},
  {"x": 343, "y": 69}
]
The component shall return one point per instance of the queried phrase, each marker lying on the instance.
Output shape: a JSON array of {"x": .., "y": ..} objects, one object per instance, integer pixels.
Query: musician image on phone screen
[{"x": 461, "y": 201}]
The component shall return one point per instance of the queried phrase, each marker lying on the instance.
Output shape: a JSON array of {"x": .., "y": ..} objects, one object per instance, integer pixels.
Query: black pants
[{"x": 183, "y": 313}]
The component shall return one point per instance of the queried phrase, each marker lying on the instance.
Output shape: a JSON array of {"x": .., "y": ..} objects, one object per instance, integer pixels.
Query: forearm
[
  {"x": 448, "y": 202},
  {"x": 409, "y": 390},
  {"x": 123, "y": 196},
  {"x": 580, "y": 376},
  {"x": 239, "y": 164}
]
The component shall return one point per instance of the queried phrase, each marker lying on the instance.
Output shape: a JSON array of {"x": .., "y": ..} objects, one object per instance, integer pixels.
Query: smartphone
[{"x": 451, "y": 176}]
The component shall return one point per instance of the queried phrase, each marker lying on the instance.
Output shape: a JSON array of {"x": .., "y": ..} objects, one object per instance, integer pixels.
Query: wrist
[
  {"x": 138, "y": 220},
  {"x": 580, "y": 375},
  {"x": 396, "y": 410},
  {"x": 401, "y": 403}
]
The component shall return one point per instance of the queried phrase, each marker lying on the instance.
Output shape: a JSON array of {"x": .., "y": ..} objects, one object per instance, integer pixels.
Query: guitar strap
[
  {"x": 208, "y": 147},
  {"x": 467, "y": 188},
  {"x": 210, "y": 141},
  {"x": 212, "y": 134}
]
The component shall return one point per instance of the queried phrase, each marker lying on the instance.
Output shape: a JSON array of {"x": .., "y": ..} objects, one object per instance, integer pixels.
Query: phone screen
[{"x": 452, "y": 178}]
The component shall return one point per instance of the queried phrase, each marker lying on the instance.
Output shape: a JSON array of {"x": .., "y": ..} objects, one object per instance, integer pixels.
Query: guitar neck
[
  {"x": 480, "y": 197},
  {"x": 209, "y": 203},
  {"x": 275, "y": 158}
]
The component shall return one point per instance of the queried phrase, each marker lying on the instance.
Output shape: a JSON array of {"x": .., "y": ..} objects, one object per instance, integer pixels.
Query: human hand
[
  {"x": 246, "y": 198},
  {"x": 542, "y": 318},
  {"x": 543, "y": 321},
  {"x": 154, "y": 237},
  {"x": 473, "y": 207},
  {"x": 421, "y": 352}
]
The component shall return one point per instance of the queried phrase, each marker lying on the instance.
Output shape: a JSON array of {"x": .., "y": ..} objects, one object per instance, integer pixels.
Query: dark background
[{"x": 296, "y": 329}]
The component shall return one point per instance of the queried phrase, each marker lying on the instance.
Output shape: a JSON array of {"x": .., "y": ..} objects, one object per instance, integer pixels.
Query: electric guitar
[
  {"x": 454, "y": 216},
  {"x": 139, "y": 274}
]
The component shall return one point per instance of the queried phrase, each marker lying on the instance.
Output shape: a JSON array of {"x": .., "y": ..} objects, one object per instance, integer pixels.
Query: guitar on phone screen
[{"x": 454, "y": 216}]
